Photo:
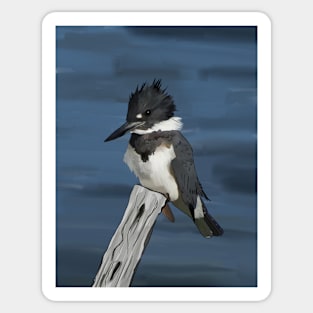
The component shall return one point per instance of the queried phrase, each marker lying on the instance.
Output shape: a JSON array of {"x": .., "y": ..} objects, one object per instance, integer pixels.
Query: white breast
[{"x": 154, "y": 173}]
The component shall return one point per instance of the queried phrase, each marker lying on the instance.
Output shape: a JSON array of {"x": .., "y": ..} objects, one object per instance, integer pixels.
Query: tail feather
[
  {"x": 205, "y": 222},
  {"x": 207, "y": 225}
]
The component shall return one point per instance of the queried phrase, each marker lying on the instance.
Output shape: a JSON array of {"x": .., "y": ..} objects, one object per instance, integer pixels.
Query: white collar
[{"x": 173, "y": 123}]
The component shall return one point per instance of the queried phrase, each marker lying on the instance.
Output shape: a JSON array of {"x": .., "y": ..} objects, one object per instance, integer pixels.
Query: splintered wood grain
[{"x": 127, "y": 245}]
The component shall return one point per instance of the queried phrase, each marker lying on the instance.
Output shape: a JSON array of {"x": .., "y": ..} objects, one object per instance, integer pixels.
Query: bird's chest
[
  {"x": 154, "y": 172},
  {"x": 156, "y": 163}
]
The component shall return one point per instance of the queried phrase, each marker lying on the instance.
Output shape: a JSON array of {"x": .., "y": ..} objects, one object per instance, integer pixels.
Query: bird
[{"x": 161, "y": 157}]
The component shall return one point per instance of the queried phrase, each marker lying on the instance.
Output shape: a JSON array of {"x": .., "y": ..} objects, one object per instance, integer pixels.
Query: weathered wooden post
[{"x": 130, "y": 239}]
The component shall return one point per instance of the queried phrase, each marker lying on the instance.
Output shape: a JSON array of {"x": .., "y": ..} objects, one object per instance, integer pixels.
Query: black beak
[{"x": 123, "y": 129}]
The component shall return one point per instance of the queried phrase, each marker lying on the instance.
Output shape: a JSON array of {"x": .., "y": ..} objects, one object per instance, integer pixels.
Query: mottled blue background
[{"x": 211, "y": 72}]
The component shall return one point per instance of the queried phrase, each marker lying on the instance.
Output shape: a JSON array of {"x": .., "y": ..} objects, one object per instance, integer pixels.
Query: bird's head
[{"x": 148, "y": 106}]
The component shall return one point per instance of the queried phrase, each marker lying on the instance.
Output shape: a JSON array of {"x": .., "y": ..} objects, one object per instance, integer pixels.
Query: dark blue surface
[{"x": 211, "y": 72}]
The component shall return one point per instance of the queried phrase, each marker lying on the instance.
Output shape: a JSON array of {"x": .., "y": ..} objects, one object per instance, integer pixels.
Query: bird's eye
[{"x": 148, "y": 112}]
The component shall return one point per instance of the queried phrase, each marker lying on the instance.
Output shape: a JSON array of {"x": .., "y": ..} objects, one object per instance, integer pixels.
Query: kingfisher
[{"x": 161, "y": 157}]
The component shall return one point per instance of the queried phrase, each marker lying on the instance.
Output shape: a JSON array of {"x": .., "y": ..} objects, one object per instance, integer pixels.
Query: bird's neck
[{"x": 173, "y": 123}]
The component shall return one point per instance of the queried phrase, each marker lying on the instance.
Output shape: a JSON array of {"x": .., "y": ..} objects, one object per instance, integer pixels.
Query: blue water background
[{"x": 211, "y": 72}]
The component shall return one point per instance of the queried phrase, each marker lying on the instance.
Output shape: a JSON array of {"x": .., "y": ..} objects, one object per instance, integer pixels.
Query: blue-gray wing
[
  {"x": 190, "y": 187},
  {"x": 184, "y": 170}
]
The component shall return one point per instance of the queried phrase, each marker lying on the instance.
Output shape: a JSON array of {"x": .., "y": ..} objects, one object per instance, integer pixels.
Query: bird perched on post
[{"x": 161, "y": 157}]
